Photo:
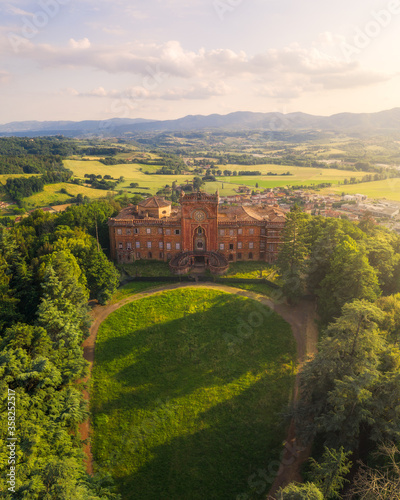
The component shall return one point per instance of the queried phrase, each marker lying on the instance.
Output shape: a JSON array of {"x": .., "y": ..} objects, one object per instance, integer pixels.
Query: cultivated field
[
  {"x": 187, "y": 394},
  {"x": 150, "y": 184},
  {"x": 300, "y": 175},
  {"x": 389, "y": 189},
  {"x": 52, "y": 194}
]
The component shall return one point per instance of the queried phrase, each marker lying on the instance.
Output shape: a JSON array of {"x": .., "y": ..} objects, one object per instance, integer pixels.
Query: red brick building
[{"x": 198, "y": 231}]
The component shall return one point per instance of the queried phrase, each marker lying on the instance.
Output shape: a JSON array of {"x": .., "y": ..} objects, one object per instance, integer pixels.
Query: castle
[{"x": 198, "y": 231}]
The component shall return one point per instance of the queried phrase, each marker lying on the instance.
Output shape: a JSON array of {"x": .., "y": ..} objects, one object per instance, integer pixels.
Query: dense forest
[
  {"x": 350, "y": 390},
  {"x": 33, "y": 156},
  {"x": 50, "y": 266}
]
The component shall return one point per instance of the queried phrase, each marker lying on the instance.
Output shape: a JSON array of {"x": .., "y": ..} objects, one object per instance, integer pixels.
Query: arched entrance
[{"x": 199, "y": 240}]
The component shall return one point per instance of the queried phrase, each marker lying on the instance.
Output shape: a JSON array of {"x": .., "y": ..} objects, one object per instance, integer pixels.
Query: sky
[{"x": 164, "y": 59}]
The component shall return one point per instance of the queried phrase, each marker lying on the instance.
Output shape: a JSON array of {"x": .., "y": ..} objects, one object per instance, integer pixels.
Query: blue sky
[{"x": 163, "y": 59}]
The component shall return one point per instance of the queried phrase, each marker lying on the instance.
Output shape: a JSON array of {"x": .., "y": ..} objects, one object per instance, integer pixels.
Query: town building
[{"x": 198, "y": 231}]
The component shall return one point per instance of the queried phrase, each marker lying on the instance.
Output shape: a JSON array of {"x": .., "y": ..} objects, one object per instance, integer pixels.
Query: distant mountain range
[{"x": 242, "y": 120}]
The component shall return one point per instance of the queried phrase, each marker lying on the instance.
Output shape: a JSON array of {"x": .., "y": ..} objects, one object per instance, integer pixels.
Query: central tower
[{"x": 199, "y": 222}]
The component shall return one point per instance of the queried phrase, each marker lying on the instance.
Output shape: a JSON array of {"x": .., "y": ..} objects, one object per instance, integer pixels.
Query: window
[
  {"x": 120, "y": 246},
  {"x": 119, "y": 231},
  {"x": 199, "y": 230},
  {"x": 168, "y": 256},
  {"x": 177, "y": 231},
  {"x": 160, "y": 245},
  {"x": 231, "y": 232},
  {"x": 240, "y": 231},
  {"x": 150, "y": 255},
  {"x": 221, "y": 246},
  {"x": 128, "y": 231},
  {"x": 137, "y": 244},
  {"x": 135, "y": 230},
  {"x": 177, "y": 246},
  {"x": 168, "y": 231},
  {"x": 262, "y": 244},
  {"x": 160, "y": 230},
  {"x": 239, "y": 255},
  {"x": 168, "y": 246},
  {"x": 149, "y": 244},
  {"x": 161, "y": 255},
  {"x": 222, "y": 232},
  {"x": 148, "y": 230},
  {"x": 251, "y": 244},
  {"x": 250, "y": 255},
  {"x": 251, "y": 230},
  {"x": 230, "y": 257},
  {"x": 262, "y": 230},
  {"x": 240, "y": 244},
  {"x": 129, "y": 245},
  {"x": 138, "y": 255},
  {"x": 230, "y": 246}
]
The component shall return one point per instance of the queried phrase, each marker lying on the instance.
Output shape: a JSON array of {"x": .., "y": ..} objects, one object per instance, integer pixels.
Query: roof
[
  {"x": 154, "y": 202},
  {"x": 254, "y": 213}
]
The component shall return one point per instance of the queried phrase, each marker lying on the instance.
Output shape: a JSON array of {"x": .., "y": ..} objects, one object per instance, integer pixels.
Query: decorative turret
[{"x": 155, "y": 207}]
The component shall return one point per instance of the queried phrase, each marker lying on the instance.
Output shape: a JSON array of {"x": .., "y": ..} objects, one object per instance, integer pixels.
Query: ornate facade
[{"x": 198, "y": 231}]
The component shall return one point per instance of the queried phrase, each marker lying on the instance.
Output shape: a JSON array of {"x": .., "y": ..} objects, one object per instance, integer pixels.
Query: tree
[
  {"x": 197, "y": 183},
  {"x": 349, "y": 388},
  {"x": 381, "y": 483},
  {"x": 294, "y": 491},
  {"x": 329, "y": 474},
  {"x": 350, "y": 277},
  {"x": 291, "y": 258}
]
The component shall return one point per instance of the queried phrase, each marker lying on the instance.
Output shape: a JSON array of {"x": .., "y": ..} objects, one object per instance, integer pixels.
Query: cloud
[
  {"x": 79, "y": 44},
  {"x": 16, "y": 11},
  {"x": 351, "y": 80},
  {"x": 198, "y": 91},
  {"x": 284, "y": 73},
  {"x": 174, "y": 60}
]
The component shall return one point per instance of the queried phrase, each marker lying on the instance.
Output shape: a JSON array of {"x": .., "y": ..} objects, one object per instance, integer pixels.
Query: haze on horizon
[{"x": 164, "y": 59}]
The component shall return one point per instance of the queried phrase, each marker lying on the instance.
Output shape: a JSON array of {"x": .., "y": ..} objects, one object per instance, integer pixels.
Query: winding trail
[{"x": 301, "y": 318}]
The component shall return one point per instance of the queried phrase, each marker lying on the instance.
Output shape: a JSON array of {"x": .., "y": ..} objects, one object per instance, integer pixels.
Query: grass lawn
[
  {"x": 135, "y": 287},
  {"x": 147, "y": 268},
  {"x": 254, "y": 269},
  {"x": 186, "y": 394}
]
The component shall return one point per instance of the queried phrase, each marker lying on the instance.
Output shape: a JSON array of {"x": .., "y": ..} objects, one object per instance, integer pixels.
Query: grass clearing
[{"x": 185, "y": 400}]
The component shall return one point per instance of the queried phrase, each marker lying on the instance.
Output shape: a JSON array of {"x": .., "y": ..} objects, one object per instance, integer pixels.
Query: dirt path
[{"x": 302, "y": 321}]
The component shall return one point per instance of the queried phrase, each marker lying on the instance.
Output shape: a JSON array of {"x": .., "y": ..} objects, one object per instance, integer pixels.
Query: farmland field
[
  {"x": 150, "y": 184},
  {"x": 186, "y": 400},
  {"x": 300, "y": 175},
  {"x": 51, "y": 194},
  {"x": 389, "y": 189}
]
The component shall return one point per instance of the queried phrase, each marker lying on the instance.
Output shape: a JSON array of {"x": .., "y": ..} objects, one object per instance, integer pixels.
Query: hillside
[{"x": 382, "y": 121}]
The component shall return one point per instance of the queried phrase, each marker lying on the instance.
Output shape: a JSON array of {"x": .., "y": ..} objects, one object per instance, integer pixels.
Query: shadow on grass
[
  {"x": 219, "y": 460},
  {"x": 188, "y": 408}
]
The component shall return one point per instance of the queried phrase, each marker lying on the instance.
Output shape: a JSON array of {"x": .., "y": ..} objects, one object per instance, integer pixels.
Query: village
[{"x": 351, "y": 207}]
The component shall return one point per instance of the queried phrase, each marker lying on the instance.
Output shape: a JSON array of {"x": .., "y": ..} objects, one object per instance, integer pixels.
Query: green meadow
[{"x": 188, "y": 390}]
